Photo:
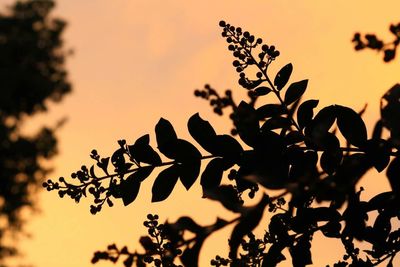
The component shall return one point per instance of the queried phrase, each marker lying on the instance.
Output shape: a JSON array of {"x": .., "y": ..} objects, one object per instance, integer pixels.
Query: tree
[
  {"x": 315, "y": 158},
  {"x": 32, "y": 73}
]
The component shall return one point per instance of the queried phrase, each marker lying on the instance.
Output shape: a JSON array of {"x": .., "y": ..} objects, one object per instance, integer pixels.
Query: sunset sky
[{"x": 136, "y": 61}]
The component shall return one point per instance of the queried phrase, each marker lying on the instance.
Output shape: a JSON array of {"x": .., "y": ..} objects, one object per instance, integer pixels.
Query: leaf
[
  {"x": 248, "y": 221},
  {"x": 128, "y": 262},
  {"x": 351, "y": 126},
  {"x": 276, "y": 123},
  {"x": 144, "y": 140},
  {"x": 166, "y": 137},
  {"x": 117, "y": 158},
  {"x": 301, "y": 252},
  {"x": 228, "y": 147},
  {"x": 226, "y": 195},
  {"x": 164, "y": 183},
  {"x": 141, "y": 151},
  {"x": 130, "y": 188},
  {"x": 91, "y": 171},
  {"x": 331, "y": 229},
  {"x": 143, "y": 172},
  {"x": 270, "y": 110},
  {"x": 331, "y": 159},
  {"x": 295, "y": 91},
  {"x": 381, "y": 201},
  {"x": 283, "y": 76},
  {"x": 188, "y": 172},
  {"x": 202, "y": 132},
  {"x": 212, "y": 175},
  {"x": 393, "y": 174},
  {"x": 184, "y": 151},
  {"x": 273, "y": 256},
  {"x": 262, "y": 90},
  {"x": 390, "y": 113},
  {"x": 377, "y": 132},
  {"x": 294, "y": 137},
  {"x": 246, "y": 123},
  {"x": 326, "y": 214},
  {"x": 305, "y": 112},
  {"x": 378, "y": 151},
  {"x": 319, "y": 127}
]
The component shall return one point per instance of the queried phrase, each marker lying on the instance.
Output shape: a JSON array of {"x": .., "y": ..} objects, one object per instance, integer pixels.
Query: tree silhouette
[
  {"x": 31, "y": 74},
  {"x": 315, "y": 158}
]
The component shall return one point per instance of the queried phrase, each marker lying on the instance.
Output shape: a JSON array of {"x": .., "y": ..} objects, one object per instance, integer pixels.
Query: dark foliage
[
  {"x": 371, "y": 41},
  {"x": 31, "y": 73},
  {"x": 315, "y": 156}
]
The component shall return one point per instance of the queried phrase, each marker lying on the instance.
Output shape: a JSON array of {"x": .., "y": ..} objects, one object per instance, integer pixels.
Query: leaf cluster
[{"x": 314, "y": 155}]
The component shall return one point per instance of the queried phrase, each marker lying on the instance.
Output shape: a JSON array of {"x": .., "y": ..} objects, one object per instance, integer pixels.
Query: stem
[
  {"x": 264, "y": 72},
  {"x": 344, "y": 149}
]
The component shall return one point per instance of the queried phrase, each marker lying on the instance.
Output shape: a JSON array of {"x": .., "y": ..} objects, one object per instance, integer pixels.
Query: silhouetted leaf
[
  {"x": 294, "y": 137},
  {"x": 248, "y": 221},
  {"x": 377, "y": 132},
  {"x": 300, "y": 252},
  {"x": 190, "y": 256},
  {"x": 305, "y": 112},
  {"x": 166, "y": 137},
  {"x": 262, "y": 90},
  {"x": 283, "y": 76},
  {"x": 117, "y": 158},
  {"x": 228, "y": 148},
  {"x": 143, "y": 172},
  {"x": 128, "y": 262},
  {"x": 130, "y": 188},
  {"x": 326, "y": 214},
  {"x": 103, "y": 164},
  {"x": 212, "y": 175},
  {"x": 295, "y": 91},
  {"x": 276, "y": 123},
  {"x": 351, "y": 126},
  {"x": 273, "y": 256},
  {"x": 164, "y": 183},
  {"x": 143, "y": 140},
  {"x": 225, "y": 194},
  {"x": 188, "y": 172},
  {"x": 270, "y": 110},
  {"x": 185, "y": 151},
  {"x": 331, "y": 229},
  {"x": 202, "y": 132},
  {"x": 390, "y": 113},
  {"x": 141, "y": 151},
  {"x": 318, "y": 128},
  {"x": 91, "y": 171},
  {"x": 331, "y": 159},
  {"x": 378, "y": 151},
  {"x": 382, "y": 200},
  {"x": 246, "y": 123},
  {"x": 393, "y": 174}
]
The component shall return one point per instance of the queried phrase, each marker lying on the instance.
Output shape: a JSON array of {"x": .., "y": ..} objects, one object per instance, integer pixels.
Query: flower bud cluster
[
  {"x": 217, "y": 102},
  {"x": 242, "y": 44}
]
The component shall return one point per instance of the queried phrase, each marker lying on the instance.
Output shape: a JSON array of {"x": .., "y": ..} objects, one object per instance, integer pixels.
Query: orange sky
[{"x": 136, "y": 61}]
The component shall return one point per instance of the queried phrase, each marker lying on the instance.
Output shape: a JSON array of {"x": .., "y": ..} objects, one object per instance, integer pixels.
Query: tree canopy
[
  {"x": 301, "y": 162},
  {"x": 32, "y": 73}
]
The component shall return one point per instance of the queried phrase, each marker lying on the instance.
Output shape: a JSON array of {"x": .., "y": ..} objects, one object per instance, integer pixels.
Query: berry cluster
[
  {"x": 217, "y": 102},
  {"x": 159, "y": 250},
  {"x": 242, "y": 45},
  {"x": 371, "y": 41}
]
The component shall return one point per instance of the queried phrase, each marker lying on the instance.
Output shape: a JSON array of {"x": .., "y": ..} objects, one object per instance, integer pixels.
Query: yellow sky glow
[{"x": 136, "y": 61}]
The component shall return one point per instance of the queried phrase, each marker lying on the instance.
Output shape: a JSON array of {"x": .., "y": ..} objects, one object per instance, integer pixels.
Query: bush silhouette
[
  {"x": 315, "y": 158},
  {"x": 32, "y": 74}
]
